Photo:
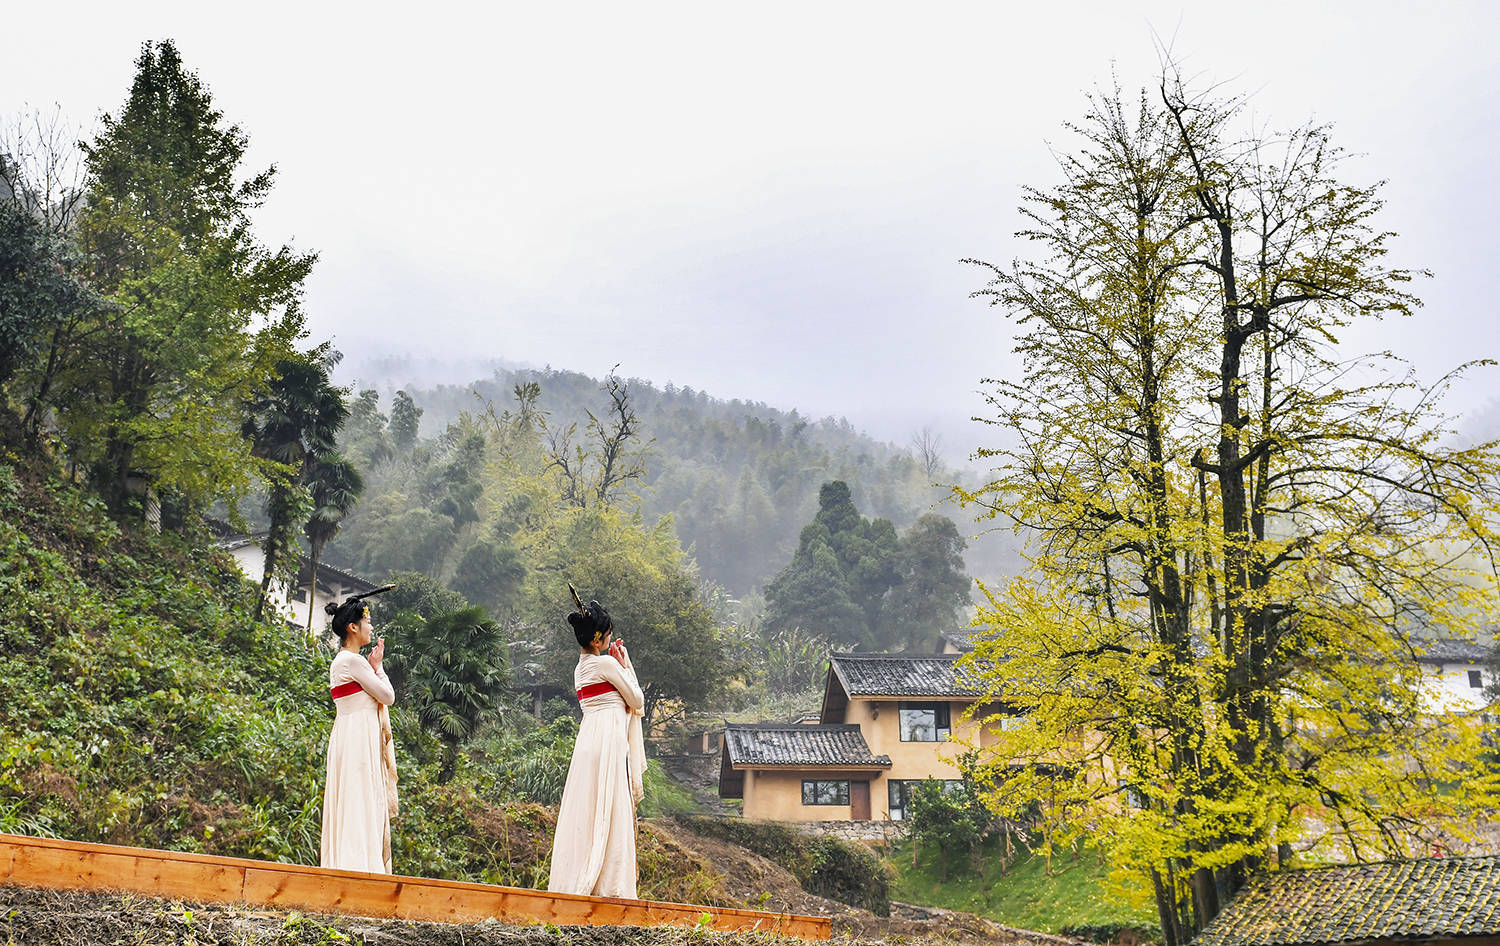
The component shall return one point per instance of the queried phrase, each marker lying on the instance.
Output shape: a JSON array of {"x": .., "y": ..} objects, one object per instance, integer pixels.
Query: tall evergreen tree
[
  {"x": 931, "y": 589},
  {"x": 406, "y": 419},
  {"x": 202, "y": 311},
  {"x": 836, "y": 583}
]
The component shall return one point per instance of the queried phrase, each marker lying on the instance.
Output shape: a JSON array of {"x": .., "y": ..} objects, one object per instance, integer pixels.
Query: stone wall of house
[{"x": 853, "y": 830}]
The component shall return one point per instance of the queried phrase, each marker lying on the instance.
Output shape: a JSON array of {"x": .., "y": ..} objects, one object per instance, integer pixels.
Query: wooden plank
[
  {"x": 326, "y": 892},
  {"x": 71, "y": 865},
  {"x": 62, "y": 869}
]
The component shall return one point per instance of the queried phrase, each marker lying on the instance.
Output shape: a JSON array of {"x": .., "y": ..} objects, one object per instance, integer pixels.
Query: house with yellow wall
[{"x": 887, "y": 722}]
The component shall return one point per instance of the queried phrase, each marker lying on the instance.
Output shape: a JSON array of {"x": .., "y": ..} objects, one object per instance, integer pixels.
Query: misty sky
[{"x": 765, "y": 201}]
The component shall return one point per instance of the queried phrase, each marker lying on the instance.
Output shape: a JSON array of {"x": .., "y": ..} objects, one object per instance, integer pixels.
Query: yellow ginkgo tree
[{"x": 1241, "y": 538}]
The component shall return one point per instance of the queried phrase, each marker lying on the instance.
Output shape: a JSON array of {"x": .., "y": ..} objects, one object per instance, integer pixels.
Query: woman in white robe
[
  {"x": 359, "y": 796},
  {"x": 594, "y": 848}
]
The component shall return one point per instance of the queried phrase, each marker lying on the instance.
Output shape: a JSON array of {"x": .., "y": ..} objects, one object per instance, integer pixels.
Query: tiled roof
[
  {"x": 930, "y": 675},
  {"x": 326, "y": 571},
  {"x": 792, "y": 744},
  {"x": 963, "y": 640},
  {"x": 1450, "y": 651},
  {"x": 1432, "y": 898}
]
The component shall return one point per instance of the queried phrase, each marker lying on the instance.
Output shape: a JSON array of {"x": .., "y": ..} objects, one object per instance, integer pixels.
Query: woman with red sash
[
  {"x": 359, "y": 797},
  {"x": 594, "y": 849}
]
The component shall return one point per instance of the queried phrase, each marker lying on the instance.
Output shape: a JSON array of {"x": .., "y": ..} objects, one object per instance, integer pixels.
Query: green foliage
[
  {"x": 853, "y": 581},
  {"x": 664, "y": 796},
  {"x": 406, "y": 419},
  {"x": 533, "y": 766},
  {"x": 367, "y": 426},
  {"x": 1032, "y": 892},
  {"x": 39, "y": 292},
  {"x": 825, "y": 866},
  {"x": 490, "y": 572},
  {"x": 837, "y": 580},
  {"x": 334, "y": 488},
  {"x": 120, "y": 649},
  {"x": 450, "y": 670},
  {"x": 154, "y": 385},
  {"x": 293, "y": 426},
  {"x": 793, "y": 661},
  {"x": 949, "y": 818},
  {"x": 931, "y": 591}
]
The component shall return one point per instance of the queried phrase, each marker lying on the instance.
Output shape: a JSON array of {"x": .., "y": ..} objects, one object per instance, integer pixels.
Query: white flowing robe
[
  {"x": 594, "y": 850},
  {"x": 359, "y": 796}
]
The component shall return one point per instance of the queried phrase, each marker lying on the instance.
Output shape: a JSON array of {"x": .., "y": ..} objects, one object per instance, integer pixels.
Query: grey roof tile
[
  {"x": 925, "y": 675},
  {"x": 791, "y": 744},
  {"x": 1450, "y": 651},
  {"x": 1396, "y": 900}
]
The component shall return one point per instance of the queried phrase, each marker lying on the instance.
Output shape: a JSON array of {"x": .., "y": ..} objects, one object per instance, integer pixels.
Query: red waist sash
[
  {"x": 344, "y": 689},
  {"x": 594, "y": 689}
]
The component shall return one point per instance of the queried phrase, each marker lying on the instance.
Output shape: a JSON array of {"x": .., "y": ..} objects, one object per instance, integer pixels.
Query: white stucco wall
[
  {"x": 251, "y": 560},
  {"x": 1452, "y": 691}
]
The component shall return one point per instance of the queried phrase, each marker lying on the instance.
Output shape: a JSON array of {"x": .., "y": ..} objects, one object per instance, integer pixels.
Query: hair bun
[
  {"x": 331, "y": 608},
  {"x": 577, "y": 620}
]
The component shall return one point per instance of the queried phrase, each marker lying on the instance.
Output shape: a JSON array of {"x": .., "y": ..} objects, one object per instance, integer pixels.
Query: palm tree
[
  {"x": 336, "y": 487},
  {"x": 295, "y": 421},
  {"x": 452, "y": 671}
]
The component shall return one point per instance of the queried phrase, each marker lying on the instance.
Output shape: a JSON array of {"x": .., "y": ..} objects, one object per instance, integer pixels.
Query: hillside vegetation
[
  {"x": 1075, "y": 896},
  {"x": 145, "y": 706}
]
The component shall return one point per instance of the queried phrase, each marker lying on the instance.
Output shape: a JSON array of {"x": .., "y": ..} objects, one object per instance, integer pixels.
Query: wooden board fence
[{"x": 203, "y": 878}]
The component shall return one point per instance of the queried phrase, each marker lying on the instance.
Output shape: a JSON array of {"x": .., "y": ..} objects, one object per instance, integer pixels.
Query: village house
[
  {"x": 295, "y": 600},
  {"x": 888, "y": 721}
]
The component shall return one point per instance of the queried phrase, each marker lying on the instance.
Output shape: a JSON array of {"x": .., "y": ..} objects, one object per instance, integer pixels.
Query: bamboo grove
[{"x": 1241, "y": 538}]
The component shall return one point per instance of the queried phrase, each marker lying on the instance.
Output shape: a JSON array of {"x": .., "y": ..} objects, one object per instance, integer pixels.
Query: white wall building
[
  {"x": 1457, "y": 675},
  {"x": 291, "y": 601}
]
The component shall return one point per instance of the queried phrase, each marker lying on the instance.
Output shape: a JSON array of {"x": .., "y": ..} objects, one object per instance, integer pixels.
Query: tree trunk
[
  {"x": 270, "y": 569},
  {"x": 1166, "y": 911},
  {"x": 312, "y": 591}
]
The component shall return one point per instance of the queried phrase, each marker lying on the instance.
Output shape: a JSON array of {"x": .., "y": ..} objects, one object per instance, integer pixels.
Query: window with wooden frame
[{"x": 825, "y": 791}]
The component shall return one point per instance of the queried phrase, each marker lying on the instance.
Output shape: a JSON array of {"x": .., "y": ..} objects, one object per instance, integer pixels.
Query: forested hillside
[{"x": 739, "y": 479}]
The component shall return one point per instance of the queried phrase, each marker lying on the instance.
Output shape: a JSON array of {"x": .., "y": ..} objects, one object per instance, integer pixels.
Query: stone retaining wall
[{"x": 853, "y": 830}]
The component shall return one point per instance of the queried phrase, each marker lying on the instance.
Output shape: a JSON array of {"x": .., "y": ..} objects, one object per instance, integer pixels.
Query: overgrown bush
[{"x": 825, "y": 866}]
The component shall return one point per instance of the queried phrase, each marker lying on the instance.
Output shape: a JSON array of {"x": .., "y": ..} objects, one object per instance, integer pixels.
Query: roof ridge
[
  {"x": 1447, "y": 859},
  {"x": 794, "y": 727},
  {"x": 848, "y": 656}
]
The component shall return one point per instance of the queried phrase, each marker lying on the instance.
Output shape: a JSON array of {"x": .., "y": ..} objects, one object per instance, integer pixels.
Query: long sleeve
[
  {"x": 378, "y": 685},
  {"x": 624, "y": 680}
]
